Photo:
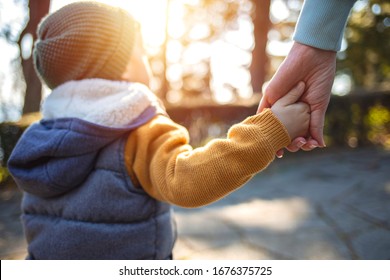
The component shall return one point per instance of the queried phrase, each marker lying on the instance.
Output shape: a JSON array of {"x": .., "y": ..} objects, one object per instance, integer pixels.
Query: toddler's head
[{"x": 87, "y": 40}]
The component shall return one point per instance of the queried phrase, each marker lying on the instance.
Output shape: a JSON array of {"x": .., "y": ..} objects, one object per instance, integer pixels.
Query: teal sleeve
[{"x": 321, "y": 23}]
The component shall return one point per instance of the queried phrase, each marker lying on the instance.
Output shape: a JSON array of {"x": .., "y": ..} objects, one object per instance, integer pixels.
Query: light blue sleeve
[{"x": 321, "y": 23}]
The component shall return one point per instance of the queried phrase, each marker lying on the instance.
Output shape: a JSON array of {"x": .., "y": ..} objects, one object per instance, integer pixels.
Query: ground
[{"x": 326, "y": 204}]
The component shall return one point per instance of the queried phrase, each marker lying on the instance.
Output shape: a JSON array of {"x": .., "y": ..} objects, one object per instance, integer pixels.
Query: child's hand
[{"x": 294, "y": 115}]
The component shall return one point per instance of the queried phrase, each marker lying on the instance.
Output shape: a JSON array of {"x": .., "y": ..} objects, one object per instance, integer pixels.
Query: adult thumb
[{"x": 293, "y": 95}]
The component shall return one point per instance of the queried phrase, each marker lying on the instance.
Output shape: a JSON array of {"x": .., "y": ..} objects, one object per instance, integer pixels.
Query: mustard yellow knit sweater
[{"x": 159, "y": 158}]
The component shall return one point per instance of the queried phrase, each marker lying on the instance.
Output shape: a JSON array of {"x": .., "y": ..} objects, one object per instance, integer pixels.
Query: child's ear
[{"x": 138, "y": 70}]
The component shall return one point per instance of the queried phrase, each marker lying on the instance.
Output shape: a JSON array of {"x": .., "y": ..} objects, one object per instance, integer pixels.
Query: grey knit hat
[{"x": 84, "y": 40}]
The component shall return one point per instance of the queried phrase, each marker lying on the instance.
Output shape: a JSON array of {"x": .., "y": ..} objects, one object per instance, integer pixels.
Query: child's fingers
[{"x": 293, "y": 95}]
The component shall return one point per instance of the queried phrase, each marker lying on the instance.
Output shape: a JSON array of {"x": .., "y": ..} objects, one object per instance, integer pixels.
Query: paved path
[{"x": 321, "y": 205}]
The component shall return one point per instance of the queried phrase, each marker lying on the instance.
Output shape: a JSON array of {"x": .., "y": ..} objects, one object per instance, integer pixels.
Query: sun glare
[
  {"x": 150, "y": 13},
  {"x": 162, "y": 18},
  {"x": 158, "y": 21}
]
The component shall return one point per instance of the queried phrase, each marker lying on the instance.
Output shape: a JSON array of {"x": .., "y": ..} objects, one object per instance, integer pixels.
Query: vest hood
[{"x": 57, "y": 154}]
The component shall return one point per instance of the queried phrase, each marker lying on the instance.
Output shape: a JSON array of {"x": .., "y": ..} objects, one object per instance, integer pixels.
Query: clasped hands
[{"x": 316, "y": 68}]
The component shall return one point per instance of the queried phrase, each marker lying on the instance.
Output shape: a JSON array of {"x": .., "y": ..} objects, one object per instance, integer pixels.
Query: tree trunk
[
  {"x": 33, "y": 95},
  {"x": 260, "y": 65}
]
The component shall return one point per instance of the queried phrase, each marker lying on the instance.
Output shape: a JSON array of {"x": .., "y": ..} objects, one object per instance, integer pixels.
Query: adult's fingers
[
  {"x": 263, "y": 104},
  {"x": 296, "y": 144},
  {"x": 311, "y": 144},
  {"x": 279, "y": 154},
  {"x": 317, "y": 119}
]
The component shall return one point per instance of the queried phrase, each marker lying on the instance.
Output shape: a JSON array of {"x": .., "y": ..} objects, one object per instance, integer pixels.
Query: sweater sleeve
[
  {"x": 321, "y": 23},
  {"x": 159, "y": 157}
]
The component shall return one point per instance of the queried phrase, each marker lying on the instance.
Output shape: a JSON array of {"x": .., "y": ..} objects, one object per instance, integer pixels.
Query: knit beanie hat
[{"x": 84, "y": 40}]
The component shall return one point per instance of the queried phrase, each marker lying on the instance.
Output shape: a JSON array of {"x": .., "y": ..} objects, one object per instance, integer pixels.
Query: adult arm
[{"x": 312, "y": 59}]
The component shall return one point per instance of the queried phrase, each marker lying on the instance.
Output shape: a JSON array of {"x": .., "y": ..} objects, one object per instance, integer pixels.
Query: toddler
[{"x": 101, "y": 169}]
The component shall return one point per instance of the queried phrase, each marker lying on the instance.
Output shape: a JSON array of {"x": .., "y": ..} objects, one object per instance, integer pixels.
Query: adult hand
[{"x": 316, "y": 68}]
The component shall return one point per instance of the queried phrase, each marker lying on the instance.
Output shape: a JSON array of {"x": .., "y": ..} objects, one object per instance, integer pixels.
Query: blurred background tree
[
  {"x": 24, "y": 39},
  {"x": 216, "y": 51},
  {"x": 366, "y": 57},
  {"x": 33, "y": 93},
  {"x": 208, "y": 53}
]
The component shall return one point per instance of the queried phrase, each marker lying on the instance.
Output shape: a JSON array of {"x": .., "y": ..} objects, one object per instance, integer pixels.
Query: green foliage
[
  {"x": 4, "y": 175},
  {"x": 359, "y": 120},
  {"x": 368, "y": 54},
  {"x": 378, "y": 121}
]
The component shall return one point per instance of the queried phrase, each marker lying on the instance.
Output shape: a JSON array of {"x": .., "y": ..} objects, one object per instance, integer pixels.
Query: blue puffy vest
[{"x": 79, "y": 201}]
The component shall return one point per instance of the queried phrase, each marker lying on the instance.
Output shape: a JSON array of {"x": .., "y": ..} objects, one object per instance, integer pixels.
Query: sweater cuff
[
  {"x": 272, "y": 129},
  {"x": 321, "y": 23}
]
